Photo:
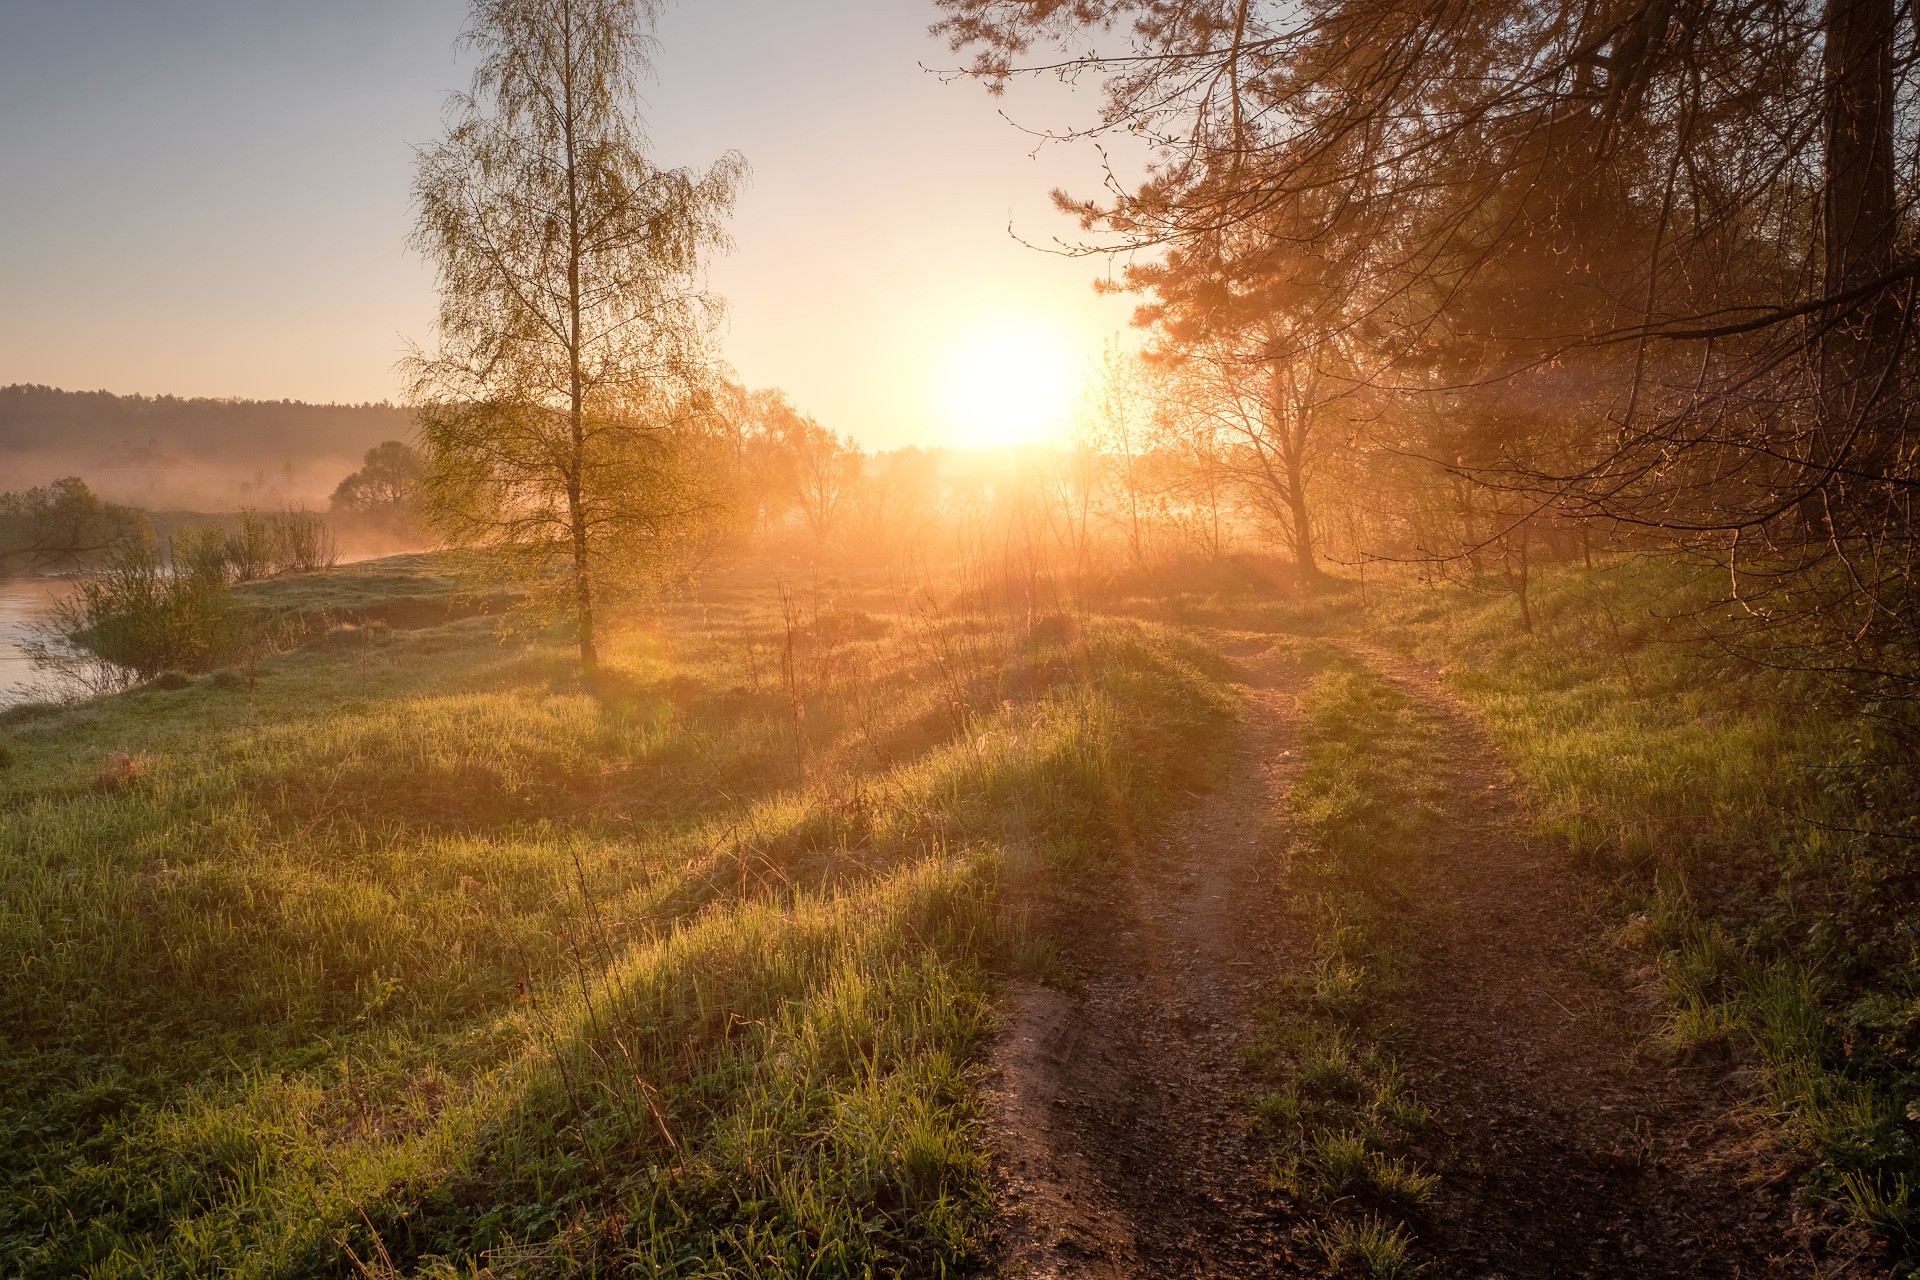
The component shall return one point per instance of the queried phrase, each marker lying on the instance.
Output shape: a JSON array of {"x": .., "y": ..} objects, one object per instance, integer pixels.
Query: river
[{"x": 23, "y": 603}]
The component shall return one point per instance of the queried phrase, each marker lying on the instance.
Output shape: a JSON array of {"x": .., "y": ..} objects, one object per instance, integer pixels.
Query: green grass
[
  {"x": 1749, "y": 831},
  {"x": 415, "y": 952},
  {"x": 1367, "y": 786},
  {"x": 413, "y": 587},
  {"x": 1379, "y": 1249},
  {"x": 417, "y": 948}
]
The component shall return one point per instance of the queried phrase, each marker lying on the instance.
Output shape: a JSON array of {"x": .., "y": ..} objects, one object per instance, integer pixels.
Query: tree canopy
[
  {"x": 388, "y": 481},
  {"x": 1639, "y": 262},
  {"x": 64, "y": 526}
]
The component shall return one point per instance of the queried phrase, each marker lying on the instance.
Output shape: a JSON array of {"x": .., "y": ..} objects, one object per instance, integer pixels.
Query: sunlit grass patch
[
  {"x": 1394, "y": 1180},
  {"x": 1366, "y": 789},
  {"x": 419, "y": 951},
  {"x": 1379, "y": 1249},
  {"x": 1747, "y": 830},
  {"x": 1339, "y": 1159}
]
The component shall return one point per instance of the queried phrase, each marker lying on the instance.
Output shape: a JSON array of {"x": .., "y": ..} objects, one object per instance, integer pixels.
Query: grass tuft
[
  {"x": 1340, "y": 1160},
  {"x": 1377, "y": 1248}
]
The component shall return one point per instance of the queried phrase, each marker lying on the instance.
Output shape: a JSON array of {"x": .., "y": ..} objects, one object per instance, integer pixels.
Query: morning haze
[
  {"x": 623, "y": 681},
  {"x": 216, "y": 191}
]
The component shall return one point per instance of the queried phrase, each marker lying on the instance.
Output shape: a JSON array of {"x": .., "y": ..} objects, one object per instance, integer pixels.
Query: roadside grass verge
[
  {"x": 412, "y": 956},
  {"x": 1748, "y": 831},
  {"x": 1339, "y": 1107}
]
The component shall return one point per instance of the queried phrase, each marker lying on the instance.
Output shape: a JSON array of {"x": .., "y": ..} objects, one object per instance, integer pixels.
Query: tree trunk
[
  {"x": 1526, "y": 602},
  {"x": 1859, "y": 224},
  {"x": 582, "y": 583},
  {"x": 1136, "y": 538},
  {"x": 1303, "y": 557},
  {"x": 1292, "y": 424},
  {"x": 1469, "y": 526},
  {"x": 576, "y": 390}
]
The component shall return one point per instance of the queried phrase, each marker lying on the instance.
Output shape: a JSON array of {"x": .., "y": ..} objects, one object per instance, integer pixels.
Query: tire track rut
[
  {"x": 1120, "y": 1134},
  {"x": 1120, "y": 1111}
]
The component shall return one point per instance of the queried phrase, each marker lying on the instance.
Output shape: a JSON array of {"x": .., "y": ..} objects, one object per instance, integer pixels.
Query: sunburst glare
[{"x": 1011, "y": 384}]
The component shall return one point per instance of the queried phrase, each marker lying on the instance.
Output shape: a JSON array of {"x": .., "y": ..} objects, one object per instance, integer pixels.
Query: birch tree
[{"x": 565, "y": 410}]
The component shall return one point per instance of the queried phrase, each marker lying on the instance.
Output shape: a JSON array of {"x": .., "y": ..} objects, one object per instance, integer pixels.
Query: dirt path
[
  {"x": 1563, "y": 1151},
  {"x": 1120, "y": 1130},
  {"x": 1564, "y": 1148}
]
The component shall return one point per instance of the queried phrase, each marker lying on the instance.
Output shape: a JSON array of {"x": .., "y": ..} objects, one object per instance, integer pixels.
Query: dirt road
[{"x": 1563, "y": 1148}]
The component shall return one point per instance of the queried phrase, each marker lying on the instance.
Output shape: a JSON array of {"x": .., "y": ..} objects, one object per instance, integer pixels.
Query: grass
[
  {"x": 1380, "y": 1249},
  {"x": 1749, "y": 831},
  {"x": 1368, "y": 782},
  {"x": 414, "y": 588},
  {"x": 407, "y": 954}
]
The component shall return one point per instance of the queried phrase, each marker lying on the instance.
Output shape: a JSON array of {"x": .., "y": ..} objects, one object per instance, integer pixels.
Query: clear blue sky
[{"x": 209, "y": 197}]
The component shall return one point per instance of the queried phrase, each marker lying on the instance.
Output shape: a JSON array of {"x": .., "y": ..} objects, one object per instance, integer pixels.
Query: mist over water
[{"x": 24, "y": 602}]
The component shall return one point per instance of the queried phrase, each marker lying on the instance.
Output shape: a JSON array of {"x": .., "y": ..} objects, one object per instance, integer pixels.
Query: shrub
[
  {"x": 251, "y": 553},
  {"x": 259, "y": 546},
  {"x": 302, "y": 542},
  {"x": 141, "y": 616},
  {"x": 140, "y": 619},
  {"x": 145, "y": 618},
  {"x": 201, "y": 551}
]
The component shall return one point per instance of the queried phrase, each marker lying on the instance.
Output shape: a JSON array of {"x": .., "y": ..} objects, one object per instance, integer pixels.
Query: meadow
[
  {"x": 1390, "y": 755},
  {"x": 406, "y": 952}
]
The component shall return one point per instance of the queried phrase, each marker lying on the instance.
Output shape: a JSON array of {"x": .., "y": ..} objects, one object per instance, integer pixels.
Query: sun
[{"x": 1011, "y": 384}]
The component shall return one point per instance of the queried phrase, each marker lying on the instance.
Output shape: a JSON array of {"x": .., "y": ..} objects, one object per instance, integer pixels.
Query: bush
[
  {"x": 204, "y": 552},
  {"x": 142, "y": 619},
  {"x": 303, "y": 543},
  {"x": 260, "y": 546},
  {"x": 251, "y": 553},
  {"x": 146, "y": 618}
]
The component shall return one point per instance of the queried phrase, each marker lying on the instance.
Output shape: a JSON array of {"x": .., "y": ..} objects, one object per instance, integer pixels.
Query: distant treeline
[{"x": 35, "y": 419}]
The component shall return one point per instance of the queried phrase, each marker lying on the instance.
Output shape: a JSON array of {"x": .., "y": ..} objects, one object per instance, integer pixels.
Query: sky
[{"x": 210, "y": 197}]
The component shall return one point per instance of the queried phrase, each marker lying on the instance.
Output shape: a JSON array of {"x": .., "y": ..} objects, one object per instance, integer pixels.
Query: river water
[{"x": 23, "y": 602}]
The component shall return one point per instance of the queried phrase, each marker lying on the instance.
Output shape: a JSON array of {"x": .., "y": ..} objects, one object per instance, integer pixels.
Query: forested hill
[
  {"x": 45, "y": 419},
  {"x": 165, "y": 450}
]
